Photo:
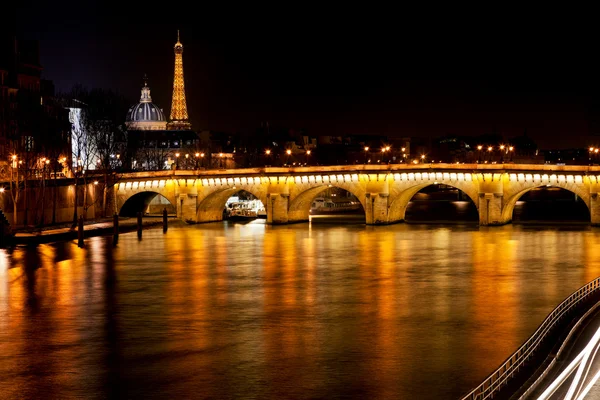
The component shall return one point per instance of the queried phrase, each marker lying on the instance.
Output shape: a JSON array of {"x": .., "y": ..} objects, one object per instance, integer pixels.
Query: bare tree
[{"x": 98, "y": 143}]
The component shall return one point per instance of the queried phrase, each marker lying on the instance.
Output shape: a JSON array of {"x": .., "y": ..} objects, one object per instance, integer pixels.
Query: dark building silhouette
[{"x": 32, "y": 123}]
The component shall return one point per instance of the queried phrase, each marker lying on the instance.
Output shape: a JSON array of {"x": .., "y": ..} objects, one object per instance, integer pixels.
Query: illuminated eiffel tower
[{"x": 179, "y": 114}]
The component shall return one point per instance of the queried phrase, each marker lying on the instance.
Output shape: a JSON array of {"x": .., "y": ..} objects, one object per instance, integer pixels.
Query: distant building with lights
[{"x": 155, "y": 143}]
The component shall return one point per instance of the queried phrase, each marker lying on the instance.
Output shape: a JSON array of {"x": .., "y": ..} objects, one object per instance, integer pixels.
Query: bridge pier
[
  {"x": 595, "y": 209},
  {"x": 491, "y": 198},
  {"x": 277, "y": 208},
  {"x": 490, "y": 209},
  {"x": 377, "y": 210}
]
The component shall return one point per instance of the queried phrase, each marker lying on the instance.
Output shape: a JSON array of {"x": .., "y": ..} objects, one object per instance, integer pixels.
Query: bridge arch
[
  {"x": 139, "y": 202},
  {"x": 210, "y": 208},
  {"x": 299, "y": 209},
  {"x": 510, "y": 202},
  {"x": 402, "y": 196}
]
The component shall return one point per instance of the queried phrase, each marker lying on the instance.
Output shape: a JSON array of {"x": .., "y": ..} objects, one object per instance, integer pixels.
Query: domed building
[
  {"x": 145, "y": 116},
  {"x": 154, "y": 144}
]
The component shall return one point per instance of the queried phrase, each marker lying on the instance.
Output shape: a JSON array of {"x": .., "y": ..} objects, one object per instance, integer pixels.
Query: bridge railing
[{"x": 500, "y": 377}]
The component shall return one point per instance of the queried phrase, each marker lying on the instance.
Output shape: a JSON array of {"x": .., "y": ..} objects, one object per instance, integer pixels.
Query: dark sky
[{"x": 396, "y": 72}]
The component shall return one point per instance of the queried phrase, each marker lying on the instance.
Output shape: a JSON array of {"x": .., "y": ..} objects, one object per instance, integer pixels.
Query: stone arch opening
[
  {"x": 434, "y": 202},
  {"x": 214, "y": 206},
  {"x": 148, "y": 203},
  {"x": 244, "y": 206},
  {"x": 300, "y": 207},
  {"x": 546, "y": 203}
]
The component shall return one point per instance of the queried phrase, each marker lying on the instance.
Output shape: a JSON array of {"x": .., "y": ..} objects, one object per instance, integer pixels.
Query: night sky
[{"x": 334, "y": 71}]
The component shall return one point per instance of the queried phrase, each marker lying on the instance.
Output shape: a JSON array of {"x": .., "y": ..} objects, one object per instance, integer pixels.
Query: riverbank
[{"x": 62, "y": 232}]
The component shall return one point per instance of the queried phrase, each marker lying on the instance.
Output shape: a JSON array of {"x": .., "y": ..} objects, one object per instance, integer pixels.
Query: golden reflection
[
  {"x": 591, "y": 257},
  {"x": 287, "y": 247},
  {"x": 494, "y": 306}
]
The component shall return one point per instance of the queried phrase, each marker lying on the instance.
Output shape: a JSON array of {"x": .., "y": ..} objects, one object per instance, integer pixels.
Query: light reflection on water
[{"x": 301, "y": 311}]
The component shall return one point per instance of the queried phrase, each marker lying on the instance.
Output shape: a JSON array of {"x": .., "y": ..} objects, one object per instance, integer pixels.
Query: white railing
[{"x": 497, "y": 379}]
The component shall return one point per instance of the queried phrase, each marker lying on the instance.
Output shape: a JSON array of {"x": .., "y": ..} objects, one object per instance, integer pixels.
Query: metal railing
[{"x": 497, "y": 379}]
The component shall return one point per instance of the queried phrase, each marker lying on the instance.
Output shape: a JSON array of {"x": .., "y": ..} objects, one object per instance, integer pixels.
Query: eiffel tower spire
[{"x": 179, "y": 114}]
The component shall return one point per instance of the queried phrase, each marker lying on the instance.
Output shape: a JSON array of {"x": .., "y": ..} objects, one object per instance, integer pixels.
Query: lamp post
[
  {"x": 502, "y": 154},
  {"x": 197, "y": 155},
  {"x": 289, "y": 153},
  {"x": 220, "y": 160},
  {"x": 510, "y": 150},
  {"x": 403, "y": 154},
  {"x": 187, "y": 166},
  {"x": 422, "y": 158},
  {"x": 267, "y": 157},
  {"x": 490, "y": 148},
  {"x": 366, "y": 153},
  {"x": 383, "y": 150},
  {"x": 176, "y": 160},
  {"x": 479, "y": 153},
  {"x": 308, "y": 152}
]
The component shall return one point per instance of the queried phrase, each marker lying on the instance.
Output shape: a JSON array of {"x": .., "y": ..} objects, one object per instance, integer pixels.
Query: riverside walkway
[{"x": 24, "y": 236}]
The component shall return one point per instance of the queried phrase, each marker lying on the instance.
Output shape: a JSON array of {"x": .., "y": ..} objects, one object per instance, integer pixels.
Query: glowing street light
[
  {"x": 366, "y": 153},
  {"x": 308, "y": 152}
]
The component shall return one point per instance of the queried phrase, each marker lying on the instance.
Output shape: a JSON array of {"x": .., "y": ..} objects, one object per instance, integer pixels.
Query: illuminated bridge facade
[{"x": 383, "y": 190}]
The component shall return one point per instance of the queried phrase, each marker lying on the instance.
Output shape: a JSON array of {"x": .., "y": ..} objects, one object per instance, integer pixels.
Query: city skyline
[{"x": 329, "y": 79}]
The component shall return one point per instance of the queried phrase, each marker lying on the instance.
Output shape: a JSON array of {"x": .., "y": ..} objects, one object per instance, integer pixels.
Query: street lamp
[
  {"x": 197, "y": 155},
  {"x": 510, "y": 150},
  {"x": 186, "y": 161},
  {"x": 422, "y": 158},
  {"x": 366, "y": 153},
  {"x": 490, "y": 148},
  {"x": 220, "y": 160},
  {"x": 289, "y": 153},
  {"x": 479, "y": 153},
  {"x": 308, "y": 152},
  {"x": 502, "y": 153}
]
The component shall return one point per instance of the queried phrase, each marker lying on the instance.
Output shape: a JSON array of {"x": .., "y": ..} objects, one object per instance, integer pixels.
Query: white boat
[
  {"x": 322, "y": 205},
  {"x": 245, "y": 209}
]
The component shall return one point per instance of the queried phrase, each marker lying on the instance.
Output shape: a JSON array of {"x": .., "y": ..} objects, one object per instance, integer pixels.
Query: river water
[{"x": 236, "y": 311}]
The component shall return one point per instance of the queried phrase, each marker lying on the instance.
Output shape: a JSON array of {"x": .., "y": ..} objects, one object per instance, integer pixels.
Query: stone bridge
[{"x": 383, "y": 190}]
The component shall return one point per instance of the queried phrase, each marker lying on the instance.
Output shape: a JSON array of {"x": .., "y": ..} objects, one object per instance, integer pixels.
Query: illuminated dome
[{"x": 145, "y": 115}]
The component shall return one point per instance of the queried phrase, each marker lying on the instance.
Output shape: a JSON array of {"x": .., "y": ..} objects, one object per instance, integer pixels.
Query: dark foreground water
[{"x": 249, "y": 311}]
